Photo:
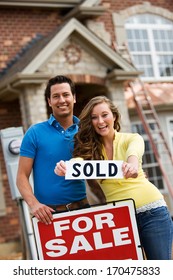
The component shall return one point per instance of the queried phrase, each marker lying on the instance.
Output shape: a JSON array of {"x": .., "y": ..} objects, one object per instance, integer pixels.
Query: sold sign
[{"x": 94, "y": 169}]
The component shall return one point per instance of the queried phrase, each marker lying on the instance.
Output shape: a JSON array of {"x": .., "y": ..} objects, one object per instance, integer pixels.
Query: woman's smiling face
[{"x": 102, "y": 119}]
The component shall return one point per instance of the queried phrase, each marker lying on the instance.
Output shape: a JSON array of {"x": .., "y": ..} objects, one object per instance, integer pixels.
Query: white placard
[{"x": 94, "y": 169}]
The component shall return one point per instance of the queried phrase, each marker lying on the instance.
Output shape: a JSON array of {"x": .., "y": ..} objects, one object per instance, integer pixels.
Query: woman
[{"x": 99, "y": 138}]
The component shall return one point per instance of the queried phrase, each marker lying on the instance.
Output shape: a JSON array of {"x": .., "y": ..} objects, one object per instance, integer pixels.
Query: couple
[{"x": 98, "y": 138}]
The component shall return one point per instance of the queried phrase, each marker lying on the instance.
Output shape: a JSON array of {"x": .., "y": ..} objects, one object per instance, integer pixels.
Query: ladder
[{"x": 149, "y": 118}]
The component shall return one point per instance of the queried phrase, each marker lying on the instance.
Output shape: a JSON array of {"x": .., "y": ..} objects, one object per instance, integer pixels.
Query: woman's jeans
[{"x": 156, "y": 233}]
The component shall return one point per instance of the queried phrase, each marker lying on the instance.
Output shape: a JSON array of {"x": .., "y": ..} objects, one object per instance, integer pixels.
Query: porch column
[{"x": 33, "y": 105}]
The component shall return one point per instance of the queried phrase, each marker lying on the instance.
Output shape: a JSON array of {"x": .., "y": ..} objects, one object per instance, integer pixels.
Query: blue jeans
[{"x": 156, "y": 233}]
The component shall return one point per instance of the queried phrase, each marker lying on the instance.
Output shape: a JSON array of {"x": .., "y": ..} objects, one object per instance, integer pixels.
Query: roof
[
  {"x": 161, "y": 94},
  {"x": 81, "y": 9}
]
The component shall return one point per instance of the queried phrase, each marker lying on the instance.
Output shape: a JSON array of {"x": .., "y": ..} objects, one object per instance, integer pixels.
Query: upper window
[{"x": 150, "y": 42}]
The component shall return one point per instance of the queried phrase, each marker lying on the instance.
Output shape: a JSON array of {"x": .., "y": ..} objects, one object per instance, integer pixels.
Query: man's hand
[{"x": 42, "y": 212}]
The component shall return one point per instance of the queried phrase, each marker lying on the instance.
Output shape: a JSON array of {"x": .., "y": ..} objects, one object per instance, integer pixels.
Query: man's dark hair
[{"x": 59, "y": 80}]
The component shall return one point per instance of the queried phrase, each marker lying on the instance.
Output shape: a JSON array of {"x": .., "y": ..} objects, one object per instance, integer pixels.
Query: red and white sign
[{"x": 107, "y": 232}]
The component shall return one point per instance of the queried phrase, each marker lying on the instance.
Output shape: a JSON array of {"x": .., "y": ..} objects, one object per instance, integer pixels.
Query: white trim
[
  {"x": 170, "y": 133},
  {"x": 44, "y": 3},
  {"x": 90, "y": 3}
]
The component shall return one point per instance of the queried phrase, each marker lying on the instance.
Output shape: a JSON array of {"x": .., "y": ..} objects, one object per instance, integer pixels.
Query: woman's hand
[
  {"x": 60, "y": 168},
  {"x": 130, "y": 168}
]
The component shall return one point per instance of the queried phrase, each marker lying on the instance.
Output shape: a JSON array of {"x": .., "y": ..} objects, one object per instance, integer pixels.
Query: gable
[
  {"x": 73, "y": 58},
  {"x": 28, "y": 67},
  {"x": 84, "y": 37}
]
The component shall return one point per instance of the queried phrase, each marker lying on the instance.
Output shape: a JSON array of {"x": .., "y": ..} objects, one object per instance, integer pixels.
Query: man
[{"x": 43, "y": 145}]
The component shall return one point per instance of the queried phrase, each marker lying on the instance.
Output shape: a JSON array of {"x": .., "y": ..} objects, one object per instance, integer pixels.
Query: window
[
  {"x": 150, "y": 165},
  {"x": 150, "y": 42}
]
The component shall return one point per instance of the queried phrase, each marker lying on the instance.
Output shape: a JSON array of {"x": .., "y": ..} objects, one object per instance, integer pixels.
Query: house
[{"x": 40, "y": 39}]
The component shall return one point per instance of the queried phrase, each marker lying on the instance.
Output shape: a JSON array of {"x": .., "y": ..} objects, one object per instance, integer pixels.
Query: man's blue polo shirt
[{"x": 47, "y": 143}]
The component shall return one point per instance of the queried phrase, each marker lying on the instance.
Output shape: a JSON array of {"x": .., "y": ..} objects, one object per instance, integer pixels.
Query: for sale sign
[{"x": 107, "y": 232}]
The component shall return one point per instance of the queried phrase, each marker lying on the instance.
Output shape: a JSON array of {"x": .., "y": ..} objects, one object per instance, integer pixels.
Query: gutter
[{"x": 41, "y": 4}]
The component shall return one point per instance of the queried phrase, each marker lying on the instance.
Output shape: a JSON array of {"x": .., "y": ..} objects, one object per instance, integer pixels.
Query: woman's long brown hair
[{"x": 87, "y": 143}]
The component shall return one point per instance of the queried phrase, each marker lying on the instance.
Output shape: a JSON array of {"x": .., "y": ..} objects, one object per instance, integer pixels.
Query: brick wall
[{"x": 18, "y": 27}]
